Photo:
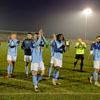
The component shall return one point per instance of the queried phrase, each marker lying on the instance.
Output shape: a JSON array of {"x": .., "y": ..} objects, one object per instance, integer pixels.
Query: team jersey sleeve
[
  {"x": 32, "y": 42},
  {"x": 9, "y": 43},
  {"x": 44, "y": 39},
  {"x": 84, "y": 45},
  {"x": 17, "y": 43},
  {"x": 92, "y": 46},
  {"x": 35, "y": 44},
  {"x": 63, "y": 47},
  {"x": 43, "y": 42},
  {"x": 52, "y": 43},
  {"x": 23, "y": 45},
  {"x": 76, "y": 45},
  {"x": 60, "y": 49}
]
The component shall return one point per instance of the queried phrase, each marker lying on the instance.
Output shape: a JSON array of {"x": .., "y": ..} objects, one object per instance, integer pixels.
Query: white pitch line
[
  {"x": 27, "y": 82},
  {"x": 63, "y": 90},
  {"x": 23, "y": 81}
]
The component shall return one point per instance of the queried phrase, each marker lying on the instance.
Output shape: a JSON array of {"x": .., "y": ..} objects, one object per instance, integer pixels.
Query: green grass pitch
[{"x": 74, "y": 84}]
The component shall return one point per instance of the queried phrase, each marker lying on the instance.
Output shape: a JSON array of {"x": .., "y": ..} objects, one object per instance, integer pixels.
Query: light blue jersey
[
  {"x": 96, "y": 51},
  {"x": 52, "y": 51},
  {"x": 12, "y": 50},
  {"x": 37, "y": 50},
  {"x": 52, "y": 43},
  {"x": 58, "y": 49}
]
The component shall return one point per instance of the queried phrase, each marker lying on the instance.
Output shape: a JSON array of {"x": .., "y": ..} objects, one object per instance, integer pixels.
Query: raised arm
[
  {"x": 44, "y": 39},
  {"x": 84, "y": 45},
  {"x": 52, "y": 42},
  {"x": 76, "y": 45},
  {"x": 35, "y": 44}
]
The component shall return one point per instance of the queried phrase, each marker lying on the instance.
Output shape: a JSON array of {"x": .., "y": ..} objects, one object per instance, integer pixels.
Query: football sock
[
  {"x": 12, "y": 69},
  {"x": 8, "y": 69},
  {"x": 50, "y": 69},
  {"x": 39, "y": 78},
  {"x": 35, "y": 81},
  {"x": 57, "y": 75},
  {"x": 54, "y": 74},
  {"x": 95, "y": 74},
  {"x": 26, "y": 70}
]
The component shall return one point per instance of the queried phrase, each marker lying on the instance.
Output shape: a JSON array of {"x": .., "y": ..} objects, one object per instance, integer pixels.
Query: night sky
[{"x": 54, "y": 16}]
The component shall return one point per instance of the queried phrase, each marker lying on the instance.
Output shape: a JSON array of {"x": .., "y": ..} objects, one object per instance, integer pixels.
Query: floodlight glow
[{"x": 87, "y": 11}]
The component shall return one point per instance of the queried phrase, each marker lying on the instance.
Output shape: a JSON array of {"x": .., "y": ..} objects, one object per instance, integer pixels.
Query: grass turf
[{"x": 74, "y": 84}]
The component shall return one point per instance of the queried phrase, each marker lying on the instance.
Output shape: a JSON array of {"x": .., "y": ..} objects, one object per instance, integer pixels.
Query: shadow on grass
[
  {"x": 15, "y": 86},
  {"x": 73, "y": 80},
  {"x": 75, "y": 70}
]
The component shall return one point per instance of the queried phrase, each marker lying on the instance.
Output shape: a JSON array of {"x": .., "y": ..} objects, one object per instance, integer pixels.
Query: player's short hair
[
  {"x": 13, "y": 33},
  {"x": 36, "y": 33},
  {"x": 97, "y": 37},
  {"x": 58, "y": 37},
  {"x": 29, "y": 33}
]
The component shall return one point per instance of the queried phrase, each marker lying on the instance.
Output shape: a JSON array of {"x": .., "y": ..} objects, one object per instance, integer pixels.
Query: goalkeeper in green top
[{"x": 80, "y": 47}]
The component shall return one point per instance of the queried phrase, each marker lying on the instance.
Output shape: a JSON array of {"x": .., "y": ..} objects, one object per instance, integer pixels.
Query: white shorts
[
  {"x": 56, "y": 62},
  {"x": 96, "y": 64},
  {"x": 91, "y": 52},
  {"x": 27, "y": 58},
  {"x": 11, "y": 58},
  {"x": 37, "y": 66}
]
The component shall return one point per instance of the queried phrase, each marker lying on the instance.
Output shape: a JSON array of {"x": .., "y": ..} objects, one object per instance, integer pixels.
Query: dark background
[{"x": 54, "y": 16}]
